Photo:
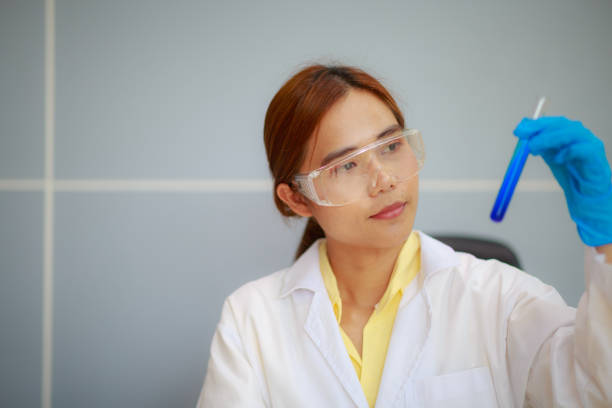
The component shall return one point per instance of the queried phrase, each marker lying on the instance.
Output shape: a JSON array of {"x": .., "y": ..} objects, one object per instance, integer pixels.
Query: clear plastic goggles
[{"x": 350, "y": 178}]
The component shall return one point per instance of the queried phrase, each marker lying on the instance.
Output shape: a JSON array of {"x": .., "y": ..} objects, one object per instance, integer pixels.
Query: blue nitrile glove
[{"x": 578, "y": 161}]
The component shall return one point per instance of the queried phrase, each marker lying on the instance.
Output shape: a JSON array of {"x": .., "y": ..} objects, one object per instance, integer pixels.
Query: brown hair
[{"x": 293, "y": 115}]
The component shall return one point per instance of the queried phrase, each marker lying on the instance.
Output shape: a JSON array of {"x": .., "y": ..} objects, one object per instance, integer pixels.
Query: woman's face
[{"x": 383, "y": 219}]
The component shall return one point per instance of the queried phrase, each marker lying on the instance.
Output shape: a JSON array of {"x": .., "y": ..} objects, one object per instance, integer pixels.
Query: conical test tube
[{"x": 513, "y": 172}]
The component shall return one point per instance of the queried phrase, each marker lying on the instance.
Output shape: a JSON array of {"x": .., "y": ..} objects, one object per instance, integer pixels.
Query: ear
[{"x": 294, "y": 199}]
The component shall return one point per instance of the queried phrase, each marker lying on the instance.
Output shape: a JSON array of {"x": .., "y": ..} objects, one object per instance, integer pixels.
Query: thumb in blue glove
[{"x": 578, "y": 161}]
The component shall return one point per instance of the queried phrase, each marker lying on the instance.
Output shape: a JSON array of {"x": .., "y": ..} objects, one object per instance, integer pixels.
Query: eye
[
  {"x": 392, "y": 147},
  {"x": 342, "y": 168},
  {"x": 348, "y": 166}
]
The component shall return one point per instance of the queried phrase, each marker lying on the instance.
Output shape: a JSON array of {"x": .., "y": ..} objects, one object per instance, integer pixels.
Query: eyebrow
[{"x": 341, "y": 152}]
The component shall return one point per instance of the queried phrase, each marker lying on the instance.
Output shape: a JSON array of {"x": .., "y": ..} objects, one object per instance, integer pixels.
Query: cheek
[
  {"x": 340, "y": 222},
  {"x": 412, "y": 189}
]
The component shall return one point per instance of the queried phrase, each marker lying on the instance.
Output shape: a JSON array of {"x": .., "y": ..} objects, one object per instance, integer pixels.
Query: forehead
[{"x": 355, "y": 120}]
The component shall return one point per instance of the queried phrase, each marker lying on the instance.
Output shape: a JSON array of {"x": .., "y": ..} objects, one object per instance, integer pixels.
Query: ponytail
[{"x": 312, "y": 232}]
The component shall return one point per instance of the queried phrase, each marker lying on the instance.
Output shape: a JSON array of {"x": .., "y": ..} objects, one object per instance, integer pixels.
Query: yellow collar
[{"x": 401, "y": 276}]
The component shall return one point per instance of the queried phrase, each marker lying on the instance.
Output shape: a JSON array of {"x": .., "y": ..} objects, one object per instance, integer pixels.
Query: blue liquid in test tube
[{"x": 513, "y": 173}]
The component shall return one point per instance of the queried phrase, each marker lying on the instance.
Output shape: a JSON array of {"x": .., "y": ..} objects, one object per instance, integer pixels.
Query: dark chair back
[{"x": 481, "y": 248}]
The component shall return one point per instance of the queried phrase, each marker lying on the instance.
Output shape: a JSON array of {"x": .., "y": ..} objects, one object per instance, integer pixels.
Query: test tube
[{"x": 513, "y": 172}]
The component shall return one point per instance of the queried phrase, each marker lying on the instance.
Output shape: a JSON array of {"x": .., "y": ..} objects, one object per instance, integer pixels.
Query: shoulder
[
  {"x": 255, "y": 292},
  {"x": 270, "y": 295},
  {"x": 492, "y": 275},
  {"x": 489, "y": 279},
  {"x": 515, "y": 285}
]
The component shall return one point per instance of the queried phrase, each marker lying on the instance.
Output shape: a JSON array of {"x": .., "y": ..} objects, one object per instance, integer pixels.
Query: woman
[{"x": 374, "y": 313}]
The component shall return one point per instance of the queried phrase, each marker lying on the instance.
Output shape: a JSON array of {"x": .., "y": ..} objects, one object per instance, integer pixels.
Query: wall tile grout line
[
  {"x": 48, "y": 216},
  {"x": 245, "y": 185},
  {"x": 22, "y": 184}
]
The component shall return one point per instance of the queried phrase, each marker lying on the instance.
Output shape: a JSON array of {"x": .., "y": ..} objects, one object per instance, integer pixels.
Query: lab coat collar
[
  {"x": 305, "y": 272},
  {"x": 435, "y": 255},
  {"x": 321, "y": 326},
  {"x": 320, "y": 323}
]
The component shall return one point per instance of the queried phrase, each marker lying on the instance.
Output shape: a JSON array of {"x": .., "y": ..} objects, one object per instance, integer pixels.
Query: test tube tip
[{"x": 538, "y": 110}]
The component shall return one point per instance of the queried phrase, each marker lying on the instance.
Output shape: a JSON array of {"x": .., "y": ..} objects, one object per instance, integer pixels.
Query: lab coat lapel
[
  {"x": 320, "y": 323},
  {"x": 410, "y": 332},
  {"x": 323, "y": 329},
  {"x": 411, "y": 329}
]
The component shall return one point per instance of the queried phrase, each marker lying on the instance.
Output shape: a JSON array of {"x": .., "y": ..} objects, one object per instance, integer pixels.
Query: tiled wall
[{"x": 157, "y": 204}]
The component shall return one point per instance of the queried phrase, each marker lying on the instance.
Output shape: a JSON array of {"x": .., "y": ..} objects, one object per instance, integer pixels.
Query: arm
[
  {"x": 573, "y": 365},
  {"x": 230, "y": 380}
]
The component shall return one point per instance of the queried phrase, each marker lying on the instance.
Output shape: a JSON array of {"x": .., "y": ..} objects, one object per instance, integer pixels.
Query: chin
[
  {"x": 395, "y": 237},
  {"x": 390, "y": 234}
]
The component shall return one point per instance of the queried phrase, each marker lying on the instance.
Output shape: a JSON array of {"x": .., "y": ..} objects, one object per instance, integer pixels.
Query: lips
[{"x": 390, "y": 211}]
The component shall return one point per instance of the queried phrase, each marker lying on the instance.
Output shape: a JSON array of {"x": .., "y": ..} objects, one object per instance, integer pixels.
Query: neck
[{"x": 362, "y": 273}]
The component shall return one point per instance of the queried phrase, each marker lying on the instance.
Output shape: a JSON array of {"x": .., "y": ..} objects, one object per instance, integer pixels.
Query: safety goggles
[{"x": 352, "y": 177}]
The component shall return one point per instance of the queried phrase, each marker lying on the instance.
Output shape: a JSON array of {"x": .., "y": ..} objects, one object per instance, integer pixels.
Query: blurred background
[{"x": 134, "y": 191}]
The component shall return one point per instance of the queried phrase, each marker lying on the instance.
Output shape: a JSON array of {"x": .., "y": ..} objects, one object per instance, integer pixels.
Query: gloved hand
[{"x": 578, "y": 161}]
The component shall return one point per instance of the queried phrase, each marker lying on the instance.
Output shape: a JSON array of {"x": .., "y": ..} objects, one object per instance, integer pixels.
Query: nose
[{"x": 380, "y": 181}]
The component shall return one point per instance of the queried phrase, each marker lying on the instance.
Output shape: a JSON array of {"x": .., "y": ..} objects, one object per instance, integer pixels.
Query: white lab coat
[{"x": 468, "y": 333}]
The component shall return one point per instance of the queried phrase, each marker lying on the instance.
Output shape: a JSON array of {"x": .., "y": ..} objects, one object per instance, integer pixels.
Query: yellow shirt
[{"x": 377, "y": 331}]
